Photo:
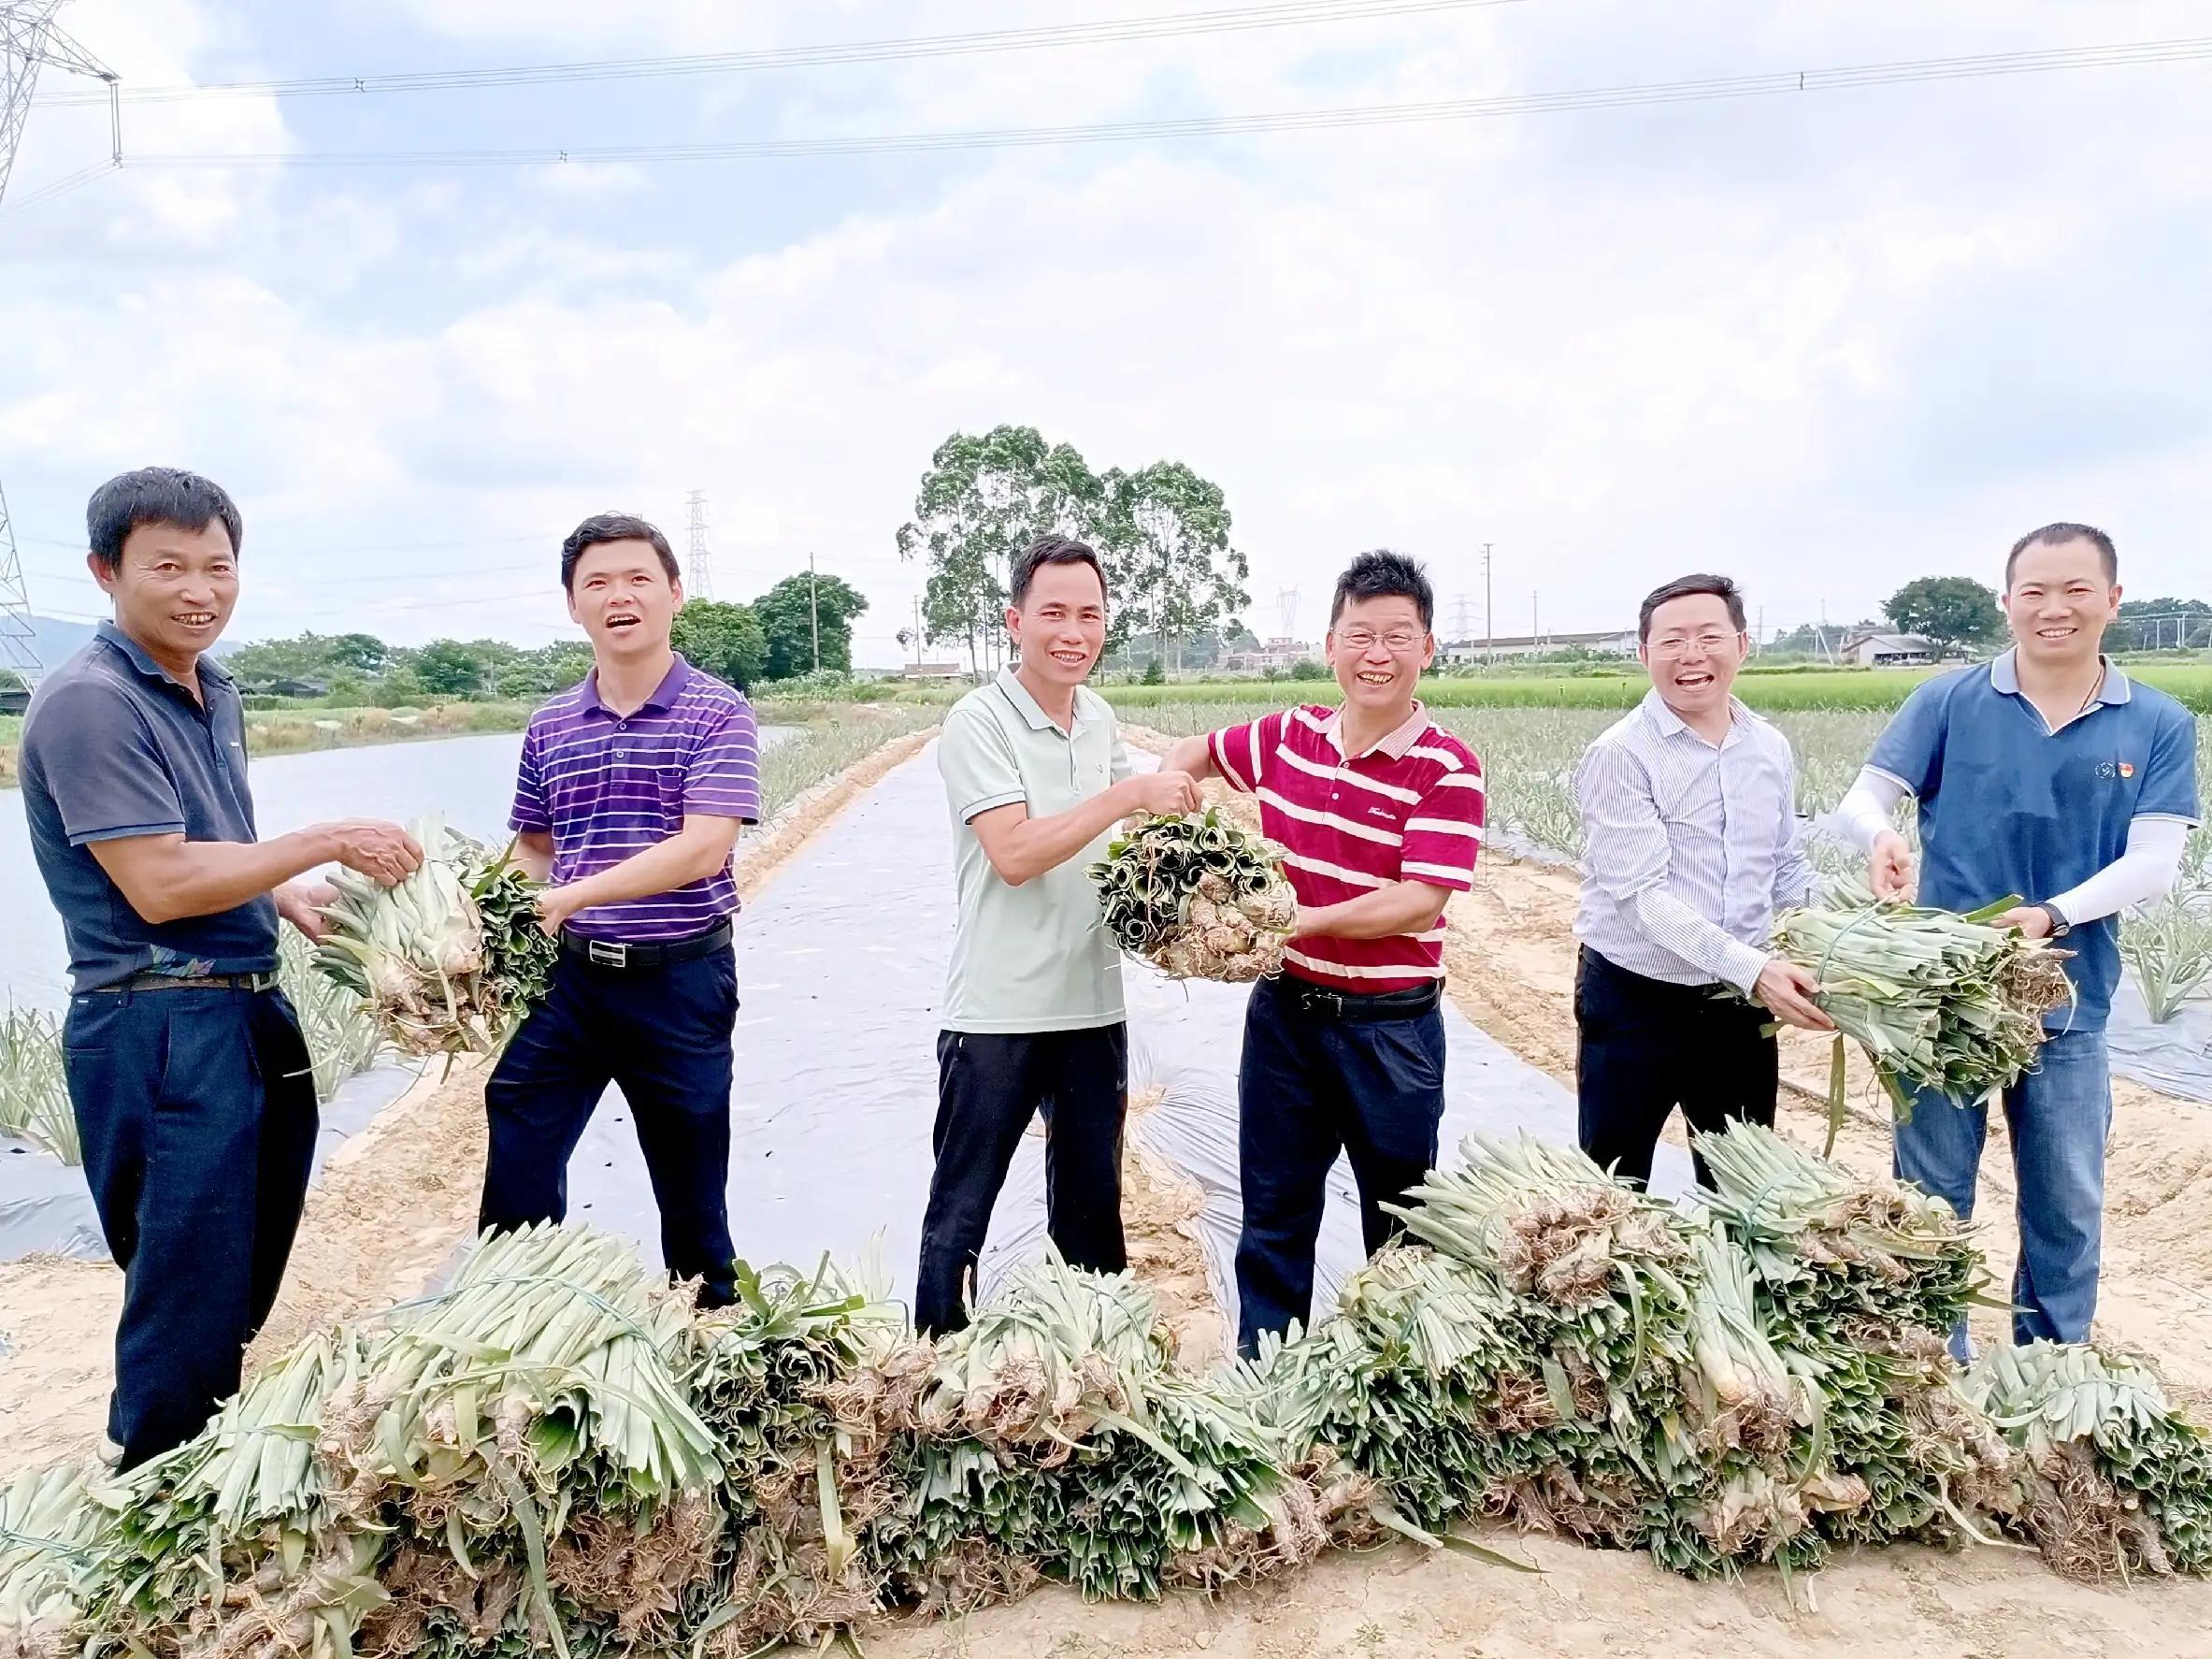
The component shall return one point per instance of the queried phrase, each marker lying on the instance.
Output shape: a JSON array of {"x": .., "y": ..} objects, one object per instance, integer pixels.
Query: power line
[
  {"x": 1206, "y": 127},
  {"x": 1173, "y": 25}
]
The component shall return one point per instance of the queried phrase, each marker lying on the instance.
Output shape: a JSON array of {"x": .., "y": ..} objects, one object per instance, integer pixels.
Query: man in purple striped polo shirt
[{"x": 631, "y": 791}]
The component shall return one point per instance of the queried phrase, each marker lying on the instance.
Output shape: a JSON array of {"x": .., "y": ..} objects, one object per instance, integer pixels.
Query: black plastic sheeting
[
  {"x": 45, "y": 1208},
  {"x": 2174, "y": 1057},
  {"x": 841, "y": 963}
]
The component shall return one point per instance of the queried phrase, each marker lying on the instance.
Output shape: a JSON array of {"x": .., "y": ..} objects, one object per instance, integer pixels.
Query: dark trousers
[
  {"x": 662, "y": 1035},
  {"x": 1645, "y": 1046},
  {"x": 196, "y": 1109},
  {"x": 1312, "y": 1084},
  {"x": 988, "y": 1086}
]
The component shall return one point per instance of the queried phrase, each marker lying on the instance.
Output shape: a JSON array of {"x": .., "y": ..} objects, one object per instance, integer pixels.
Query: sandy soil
[
  {"x": 1511, "y": 965},
  {"x": 394, "y": 1204}
]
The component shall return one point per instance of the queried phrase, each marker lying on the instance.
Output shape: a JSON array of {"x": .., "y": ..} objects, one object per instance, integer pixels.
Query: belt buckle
[
  {"x": 1332, "y": 1002},
  {"x": 606, "y": 953}
]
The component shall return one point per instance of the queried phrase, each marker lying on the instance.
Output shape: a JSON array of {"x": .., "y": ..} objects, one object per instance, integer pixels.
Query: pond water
[{"x": 470, "y": 779}]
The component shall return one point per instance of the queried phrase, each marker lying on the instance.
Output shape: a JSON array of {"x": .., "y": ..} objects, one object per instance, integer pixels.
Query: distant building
[
  {"x": 934, "y": 670},
  {"x": 1891, "y": 651},
  {"x": 1611, "y": 641},
  {"x": 1274, "y": 657}
]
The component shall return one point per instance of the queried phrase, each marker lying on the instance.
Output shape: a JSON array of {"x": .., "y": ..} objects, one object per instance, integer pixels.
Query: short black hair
[
  {"x": 156, "y": 496},
  {"x": 2058, "y": 535},
  {"x": 613, "y": 526},
  {"x": 1721, "y": 588},
  {"x": 1382, "y": 575},
  {"x": 1051, "y": 550}
]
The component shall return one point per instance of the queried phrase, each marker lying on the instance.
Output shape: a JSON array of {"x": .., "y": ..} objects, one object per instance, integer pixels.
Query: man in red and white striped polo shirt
[{"x": 1381, "y": 813}]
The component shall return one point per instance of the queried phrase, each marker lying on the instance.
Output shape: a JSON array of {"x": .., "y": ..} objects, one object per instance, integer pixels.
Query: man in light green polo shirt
[{"x": 1036, "y": 778}]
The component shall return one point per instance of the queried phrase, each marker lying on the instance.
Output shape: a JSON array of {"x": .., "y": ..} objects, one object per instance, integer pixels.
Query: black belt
[
  {"x": 149, "y": 981},
  {"x": 1410, "y": 1003},
  {"x": 608, "y": 953}
]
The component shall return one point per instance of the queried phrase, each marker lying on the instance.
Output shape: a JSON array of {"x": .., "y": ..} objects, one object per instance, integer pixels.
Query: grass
[{"x": 1878, "y": 690}]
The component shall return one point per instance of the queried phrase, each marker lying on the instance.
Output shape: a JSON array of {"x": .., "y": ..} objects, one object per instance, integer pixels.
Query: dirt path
[{"x": 393, "y": 1205}]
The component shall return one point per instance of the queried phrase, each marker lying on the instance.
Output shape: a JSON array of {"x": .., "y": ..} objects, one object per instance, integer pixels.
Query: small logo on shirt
[
  {"x": 2116, "y": 768},
  {"x": 1378, "y": 811},
  {"x": 2127, "y": 768}
]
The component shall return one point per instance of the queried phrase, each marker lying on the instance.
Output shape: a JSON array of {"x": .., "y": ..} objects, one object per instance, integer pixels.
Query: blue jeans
[
  {"x": 197, "y": 1107},
  {"x": 662, "y": 1035},
  {"x": 1310, "y": 1086},
  {"x": 2059, "y": 1116}
]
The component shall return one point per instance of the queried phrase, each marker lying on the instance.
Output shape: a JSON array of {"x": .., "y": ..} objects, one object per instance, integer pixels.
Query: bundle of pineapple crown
[{"x": 1197, "y": 896}]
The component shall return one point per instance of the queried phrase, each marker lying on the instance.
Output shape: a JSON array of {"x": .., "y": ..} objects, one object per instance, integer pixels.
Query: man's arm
[
  {"x": 1795, "y": 878},
  {"x": 1022, "y": 849},
  {"x": 1403, "y": 907},
  {"x": 1626, "y": 857},
  {"x": 165, "y": 877},
  {"x": 534, "y": 854},
  {"x": 1191, "y": 758},
  {"x": 694, "y": 853}
]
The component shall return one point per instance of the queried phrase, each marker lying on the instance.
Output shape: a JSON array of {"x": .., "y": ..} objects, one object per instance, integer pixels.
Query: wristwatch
[{"x": 2060, "y": 926}]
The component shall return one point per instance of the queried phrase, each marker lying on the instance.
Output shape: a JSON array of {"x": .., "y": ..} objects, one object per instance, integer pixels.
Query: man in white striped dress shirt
[{"x": 1691, "y": 846}]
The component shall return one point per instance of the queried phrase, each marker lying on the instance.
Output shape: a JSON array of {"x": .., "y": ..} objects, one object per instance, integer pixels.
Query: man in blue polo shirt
[
  {"x": 190, "y": 1083},
  {"x": 628, "y": 798},
  {"x": 2047, "y": 774}
]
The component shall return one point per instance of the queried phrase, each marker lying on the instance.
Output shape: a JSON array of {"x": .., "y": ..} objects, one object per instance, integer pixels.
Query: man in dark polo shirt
[
  {"x": 189, "y": 1078},
  {"x": 630, "y": 792}
]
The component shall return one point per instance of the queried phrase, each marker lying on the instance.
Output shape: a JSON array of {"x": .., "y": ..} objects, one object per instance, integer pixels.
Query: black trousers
[
  {"x": 988, "y": 1085},
  {"x": 1645, "y": 1047},
  {"x": 662, "y": 1035},
  {"x": 1309, "y": 1086},
  {"x": 196, "y": 1110}
]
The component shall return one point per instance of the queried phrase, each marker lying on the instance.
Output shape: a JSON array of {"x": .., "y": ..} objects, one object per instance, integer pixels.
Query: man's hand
[
  {"x": 301, "y": 902},
  {"x": 1890, "y": 871},
  {"x": 1787, "y": 992},
  {"x": 555, "y": 905},
  {"x": 381, "y": 851},
  {"x": 2031, "y": 919},
  {"x": 1170, "y": 794}
]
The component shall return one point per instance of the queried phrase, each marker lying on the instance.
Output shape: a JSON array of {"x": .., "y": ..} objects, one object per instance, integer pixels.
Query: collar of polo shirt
[
  {"x": 662, "y": 697},
  {"x": 153, "y": 670},
  {"x": 1396, "y": 745},
  {"x": 2004, "y": 674},
  {"x": 1033, "y": 712}
]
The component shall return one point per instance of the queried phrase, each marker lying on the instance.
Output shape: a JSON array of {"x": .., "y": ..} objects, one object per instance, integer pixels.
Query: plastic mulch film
[
  {"x": 841, "y": 965},
  {"x": 2174, "y": 1057}
]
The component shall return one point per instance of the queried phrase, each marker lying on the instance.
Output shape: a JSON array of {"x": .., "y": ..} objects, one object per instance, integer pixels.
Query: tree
[
  {"x": 981, "y": 500},
  {"x": 725, "y": 640},
  {"x": 787, "y": 614},
  {"x": 1166, "y": 535},
  {"x": 448, "y": 668},
  {"x": 1951, "y": 610}
]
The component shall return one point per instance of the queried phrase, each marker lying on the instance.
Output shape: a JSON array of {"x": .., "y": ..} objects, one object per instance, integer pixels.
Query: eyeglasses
[
  {"x": 1399, "y": 641},
  {"x": 1708, "y": 643}
]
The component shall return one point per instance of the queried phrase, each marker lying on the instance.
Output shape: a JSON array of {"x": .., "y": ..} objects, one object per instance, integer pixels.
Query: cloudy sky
[{"x": 1823, "y": 341}]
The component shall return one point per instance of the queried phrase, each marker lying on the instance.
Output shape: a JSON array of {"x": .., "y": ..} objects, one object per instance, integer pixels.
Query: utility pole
[
  {"x": 698, "y": 572},
  {"x": 29, "y": 40},
  {"x": 1489, "y": 629},
  {"x": 814, "y": 611},
  {"x": 917, "y": 630},
  {"x": 1535, "y": 630}
]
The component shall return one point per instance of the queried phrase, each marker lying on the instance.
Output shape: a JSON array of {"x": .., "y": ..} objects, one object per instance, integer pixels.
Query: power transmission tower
[
  {"x": 28, "y": 41},
  {"x": 1489, "y": 627},
  {"x": 1462, "y": 617},
  {"x": 698, "y": 571},
  {"x": 1286, "y": 612}
]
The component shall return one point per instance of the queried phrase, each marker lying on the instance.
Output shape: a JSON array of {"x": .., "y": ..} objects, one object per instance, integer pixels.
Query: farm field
[
  {"x": 1776, "y": 690},
  {"x": 394, "y": 1208}
]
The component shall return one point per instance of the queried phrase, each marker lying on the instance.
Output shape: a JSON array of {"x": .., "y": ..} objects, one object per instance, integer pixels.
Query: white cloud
[{"x": 1824, "y": 342}]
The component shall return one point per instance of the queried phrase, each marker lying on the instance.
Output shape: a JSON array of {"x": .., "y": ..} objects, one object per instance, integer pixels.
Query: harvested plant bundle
[
  {"x": 1838, "y": 1255},
  {"x": 1197, "y": 896},
  {"x": 806, "y": 1381},
  {"x": 52, "y": 1533},
  {"x": 1055, "y": 1436},
  {"x": 1937, "y": 999},
  {"x": 526, "y": 1441},
  {"x": 2117, "y": 1481},
  {"x": 451, "y": 959}
]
